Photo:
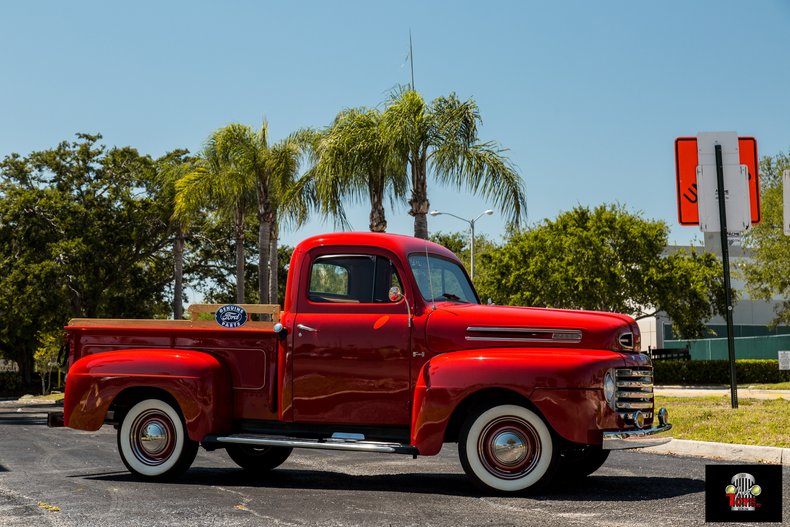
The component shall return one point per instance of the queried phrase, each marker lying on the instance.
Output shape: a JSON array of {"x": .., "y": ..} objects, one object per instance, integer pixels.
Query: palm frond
[{"x": 485, "y": 170}]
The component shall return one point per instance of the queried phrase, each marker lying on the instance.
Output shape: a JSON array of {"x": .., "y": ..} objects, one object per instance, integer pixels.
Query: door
[{"x": 351, "y": 343}]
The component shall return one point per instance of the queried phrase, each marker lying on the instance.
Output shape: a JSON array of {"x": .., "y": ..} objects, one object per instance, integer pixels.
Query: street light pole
[{"x": 471, "y": 223}]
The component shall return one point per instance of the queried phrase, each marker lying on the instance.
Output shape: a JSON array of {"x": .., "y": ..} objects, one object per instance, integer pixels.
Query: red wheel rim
[{"x": 153, "y": 437}]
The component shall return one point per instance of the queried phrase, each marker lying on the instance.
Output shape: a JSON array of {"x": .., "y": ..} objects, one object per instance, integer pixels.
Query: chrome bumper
[
  {"x": 623, "y": 439},
  {"x": 639, "y": 438}
]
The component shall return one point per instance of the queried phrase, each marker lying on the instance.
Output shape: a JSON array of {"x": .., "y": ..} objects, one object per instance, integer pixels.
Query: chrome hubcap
[
  {"x": 509, "y": 448},
  {"x": 153, "y": 438}
]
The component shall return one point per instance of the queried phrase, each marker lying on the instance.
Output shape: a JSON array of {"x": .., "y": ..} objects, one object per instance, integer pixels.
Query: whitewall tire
[
  {"x": 152, "y": 441},
  {"x": 507, "y": 448}
]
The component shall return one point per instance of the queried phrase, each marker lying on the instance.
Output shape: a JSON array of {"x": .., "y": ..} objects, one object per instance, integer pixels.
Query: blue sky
[{"x": 588, "y": 96}]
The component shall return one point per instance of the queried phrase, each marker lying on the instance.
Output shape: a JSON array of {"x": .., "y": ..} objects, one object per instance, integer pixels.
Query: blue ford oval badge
[{"x": 231, "y": 316}]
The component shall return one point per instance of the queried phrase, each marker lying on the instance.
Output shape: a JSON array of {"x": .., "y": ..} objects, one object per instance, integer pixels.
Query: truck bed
[{"x": 249, "y": 352}]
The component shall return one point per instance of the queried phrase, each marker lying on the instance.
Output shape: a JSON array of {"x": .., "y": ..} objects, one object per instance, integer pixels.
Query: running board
[{"x": 324, "y": 444}]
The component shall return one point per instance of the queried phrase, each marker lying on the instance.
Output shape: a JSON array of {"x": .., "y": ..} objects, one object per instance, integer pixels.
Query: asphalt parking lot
[{"x": 63, "y": 477}]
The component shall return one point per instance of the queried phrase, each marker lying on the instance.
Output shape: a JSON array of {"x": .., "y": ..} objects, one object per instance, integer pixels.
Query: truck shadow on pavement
[{"x": 594, "y": 488}]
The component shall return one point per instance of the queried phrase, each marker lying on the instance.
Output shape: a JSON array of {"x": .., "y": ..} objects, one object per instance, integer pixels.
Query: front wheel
[
  {"x": 153, "y": 443},
  {"x": 258, "y": 459},
  {"x": 507, "y": 448}
]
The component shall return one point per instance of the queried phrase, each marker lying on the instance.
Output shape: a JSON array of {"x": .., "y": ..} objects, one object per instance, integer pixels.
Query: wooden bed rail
[{"x": 197, "y": 318}]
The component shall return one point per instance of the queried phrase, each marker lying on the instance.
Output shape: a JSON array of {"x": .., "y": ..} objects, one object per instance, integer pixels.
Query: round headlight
[{"x": 609, "y": 388}]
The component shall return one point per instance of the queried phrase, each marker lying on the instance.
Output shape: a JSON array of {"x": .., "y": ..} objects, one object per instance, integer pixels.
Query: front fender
[
  {"x": 197, "y": 381},
  {"x": 563, "y": 384}
]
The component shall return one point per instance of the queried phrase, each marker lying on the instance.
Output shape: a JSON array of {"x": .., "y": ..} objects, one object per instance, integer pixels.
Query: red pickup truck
[{"x": 382, "y": 346}]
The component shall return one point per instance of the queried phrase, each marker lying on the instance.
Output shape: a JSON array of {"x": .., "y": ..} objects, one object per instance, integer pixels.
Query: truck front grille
[{"x": 634, "y": 392}]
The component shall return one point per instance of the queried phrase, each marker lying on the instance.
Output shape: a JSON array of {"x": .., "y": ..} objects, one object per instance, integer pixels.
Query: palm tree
[
  {"x": 244, "y": 172},
  {"x": 219, "y": 182},
  {"x": 283, "y": 198},
  {"x": 169, "y": 169},
  {"x": 444, "y": 133},
  {"x": 356, "y": 160}
]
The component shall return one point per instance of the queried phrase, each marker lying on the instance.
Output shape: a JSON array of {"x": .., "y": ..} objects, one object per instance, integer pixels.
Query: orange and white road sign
[{"x": 686, "y": 161}]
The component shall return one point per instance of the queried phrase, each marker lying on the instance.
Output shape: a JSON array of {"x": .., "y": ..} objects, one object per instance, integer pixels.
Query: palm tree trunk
[
  {"x": 419, "y": 197},
  {"x": 264, "y": 246},
  {"x": 264, "y": 242},
  {"x": 178, "y": 287},
  {"x": 239, "y": 255},
  {"x": 273, "y": 276},
  {"x": 378, "y": 221}
]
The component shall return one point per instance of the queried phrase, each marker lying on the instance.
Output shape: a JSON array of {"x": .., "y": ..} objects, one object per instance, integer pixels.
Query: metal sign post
[
  {"x": 718, "y": 189},
  {"x": 725, "y": 257}
]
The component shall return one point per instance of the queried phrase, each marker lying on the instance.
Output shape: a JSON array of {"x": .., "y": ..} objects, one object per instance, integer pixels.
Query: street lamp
[{"x": 471, "y": 223}]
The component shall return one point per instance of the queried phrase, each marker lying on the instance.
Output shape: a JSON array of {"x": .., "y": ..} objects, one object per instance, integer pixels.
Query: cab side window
[{"x": 358, "y": 279}]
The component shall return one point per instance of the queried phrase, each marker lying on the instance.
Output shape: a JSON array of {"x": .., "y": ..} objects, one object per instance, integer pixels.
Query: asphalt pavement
[{"x": 63, "y": 477}]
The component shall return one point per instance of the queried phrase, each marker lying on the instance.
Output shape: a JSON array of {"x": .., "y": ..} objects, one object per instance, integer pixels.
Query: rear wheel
[
  {"x": 507, "y": 448},
  {"x": 153, "y": 443},
  {"x": 258, "y": 459}
]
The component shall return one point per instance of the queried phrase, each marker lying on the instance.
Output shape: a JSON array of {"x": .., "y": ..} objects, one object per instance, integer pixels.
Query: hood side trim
[{"x": 563, "y": 335}]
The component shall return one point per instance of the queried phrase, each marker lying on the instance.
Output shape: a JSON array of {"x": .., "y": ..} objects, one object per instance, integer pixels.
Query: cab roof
[{"x": 396, "y": 243}]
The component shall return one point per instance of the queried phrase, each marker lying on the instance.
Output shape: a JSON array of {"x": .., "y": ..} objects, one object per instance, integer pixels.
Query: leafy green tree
[
  {"x": 458, "y": 243},
  {"x": 46, "y": 357},
  {"x": 444, "y": 135},
  {"x": 609, "y": 260},
  {"x": 83, "y": 233},
  {"x": 358, "y": 160},
  {"x": 768, "y": 273}
]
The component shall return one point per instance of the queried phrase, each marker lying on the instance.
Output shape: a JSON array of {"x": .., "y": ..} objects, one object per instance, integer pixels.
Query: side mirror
[
  {"x": 395, "y": 294},
  {"x": 490, "y": 302}
]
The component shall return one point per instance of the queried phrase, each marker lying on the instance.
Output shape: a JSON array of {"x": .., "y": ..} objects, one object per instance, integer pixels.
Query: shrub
[
  {"x": 703, "y": 372},
  {"x": 10, "y": 383}
]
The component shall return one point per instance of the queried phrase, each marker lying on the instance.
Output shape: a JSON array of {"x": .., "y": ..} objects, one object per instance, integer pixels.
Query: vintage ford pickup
[{"x": 382, "y": 346}]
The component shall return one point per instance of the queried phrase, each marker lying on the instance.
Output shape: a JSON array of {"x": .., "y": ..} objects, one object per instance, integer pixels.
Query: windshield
[{"x": 448, "y": 280}]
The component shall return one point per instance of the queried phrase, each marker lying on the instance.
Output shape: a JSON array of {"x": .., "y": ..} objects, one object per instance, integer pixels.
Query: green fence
[{"x": 745, "y": 347}]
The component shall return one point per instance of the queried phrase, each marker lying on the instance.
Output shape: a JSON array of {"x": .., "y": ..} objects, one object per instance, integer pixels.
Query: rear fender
[
  {"x": 196, "y": 381},
  {"x": 563, "y": 385}
]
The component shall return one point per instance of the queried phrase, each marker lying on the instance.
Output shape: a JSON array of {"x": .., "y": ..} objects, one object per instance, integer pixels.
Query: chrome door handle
[{"x": 302, "y": 327}]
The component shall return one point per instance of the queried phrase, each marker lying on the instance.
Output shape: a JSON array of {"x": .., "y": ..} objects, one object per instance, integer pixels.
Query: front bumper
[{"x": 640, "y": 438}]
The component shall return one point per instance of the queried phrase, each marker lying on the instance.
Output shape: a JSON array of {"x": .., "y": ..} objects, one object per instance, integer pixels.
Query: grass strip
[{"x": 764, "y": 422}]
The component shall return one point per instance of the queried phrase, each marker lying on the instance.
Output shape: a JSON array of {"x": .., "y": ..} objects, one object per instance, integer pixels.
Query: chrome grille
[{"x": 634, "y": 391}]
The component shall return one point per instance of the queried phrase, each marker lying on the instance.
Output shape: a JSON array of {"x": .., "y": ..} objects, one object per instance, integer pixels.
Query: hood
[{"x": 453, "y": 327}]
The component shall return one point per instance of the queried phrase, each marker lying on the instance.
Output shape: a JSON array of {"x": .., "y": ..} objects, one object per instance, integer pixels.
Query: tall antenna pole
[{"x": 411, "y": 60}]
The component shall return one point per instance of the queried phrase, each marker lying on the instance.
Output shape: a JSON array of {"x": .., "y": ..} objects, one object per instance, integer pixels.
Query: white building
[{"x": 751, "y": 318}]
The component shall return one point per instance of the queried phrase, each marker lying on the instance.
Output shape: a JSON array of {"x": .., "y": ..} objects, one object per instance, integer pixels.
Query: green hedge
[
  {"x": 10, "y": 383},
  {"x": 718, "y": 372}
]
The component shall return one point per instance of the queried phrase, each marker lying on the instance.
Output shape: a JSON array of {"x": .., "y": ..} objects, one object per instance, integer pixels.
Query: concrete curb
[{"x": 723, "y": 451}]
